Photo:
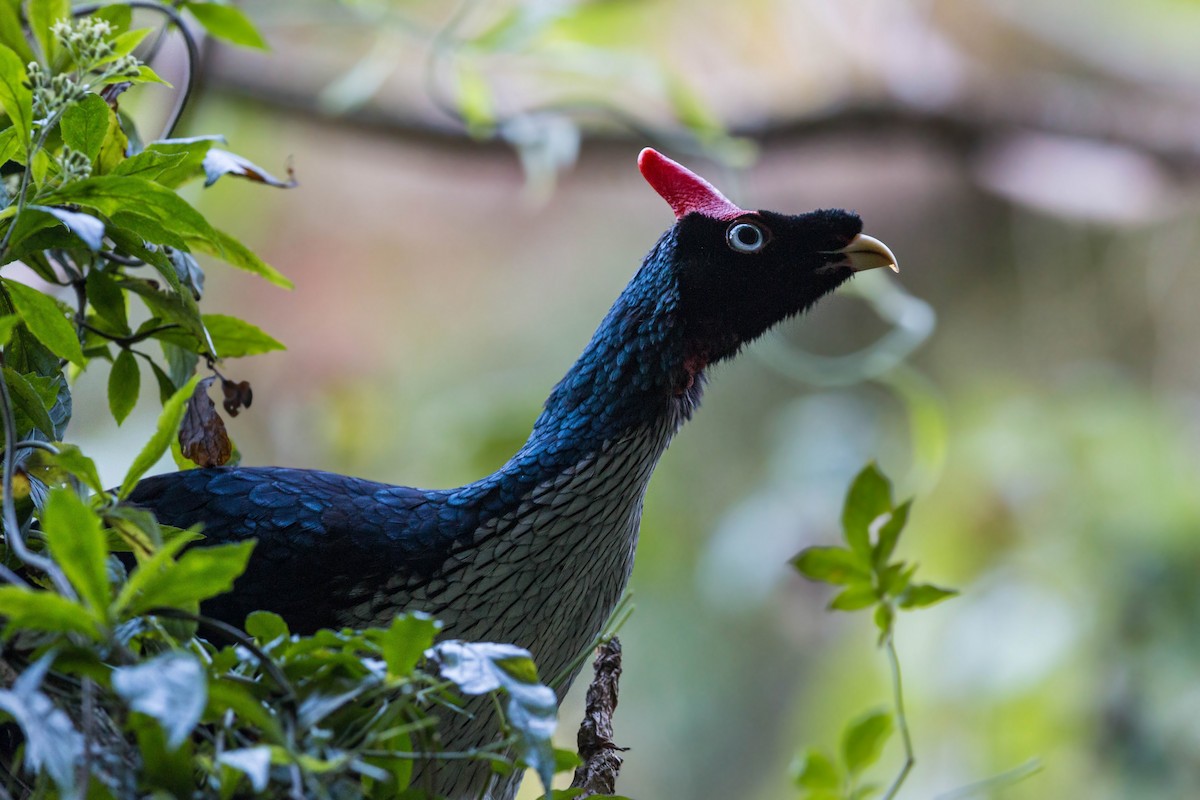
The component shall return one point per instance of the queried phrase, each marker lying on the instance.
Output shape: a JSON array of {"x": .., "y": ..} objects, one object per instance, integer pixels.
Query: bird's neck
[
  {"x": 630, "y": 383},
  {"x": 563, "y": 514},
  {"x": 630, "y": 380}
]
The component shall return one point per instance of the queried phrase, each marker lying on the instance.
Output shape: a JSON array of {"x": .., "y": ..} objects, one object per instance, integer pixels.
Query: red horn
[{"x": 684, "y": 190}]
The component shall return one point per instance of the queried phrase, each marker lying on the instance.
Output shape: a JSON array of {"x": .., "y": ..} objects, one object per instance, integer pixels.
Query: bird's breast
[{"x": 546, "y": 573}]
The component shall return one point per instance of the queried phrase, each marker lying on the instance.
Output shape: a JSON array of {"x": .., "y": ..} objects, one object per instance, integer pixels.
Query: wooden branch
[{"x": 601, "y": 757}]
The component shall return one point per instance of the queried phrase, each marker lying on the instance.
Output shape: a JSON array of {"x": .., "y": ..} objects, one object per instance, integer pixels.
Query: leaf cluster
[
  {"x": 119, "y": 687},
  {"x": 870, "y": 578},
  {"x": 864, "y": 567}
]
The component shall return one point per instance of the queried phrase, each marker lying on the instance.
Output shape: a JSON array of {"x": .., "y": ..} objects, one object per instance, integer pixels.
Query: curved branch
[{"x": 193, "y": 51}]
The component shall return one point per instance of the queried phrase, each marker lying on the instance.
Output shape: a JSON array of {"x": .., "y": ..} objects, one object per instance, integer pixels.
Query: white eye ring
[{"x": 746, "y": 237}]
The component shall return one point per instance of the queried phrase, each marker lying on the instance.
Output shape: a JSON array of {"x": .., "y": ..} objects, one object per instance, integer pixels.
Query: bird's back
[{"x": 323, "y": 540}]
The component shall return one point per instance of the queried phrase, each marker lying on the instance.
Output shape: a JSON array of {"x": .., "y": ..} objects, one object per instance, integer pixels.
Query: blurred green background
[{"x": 469, "y": 207}]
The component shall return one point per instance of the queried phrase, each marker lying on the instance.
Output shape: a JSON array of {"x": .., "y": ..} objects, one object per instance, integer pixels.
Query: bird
[{"x": 538, "y": 553}]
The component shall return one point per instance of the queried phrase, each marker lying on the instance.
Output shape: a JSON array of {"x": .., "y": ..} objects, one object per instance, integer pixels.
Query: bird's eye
[{"x": 746, "y": 237}]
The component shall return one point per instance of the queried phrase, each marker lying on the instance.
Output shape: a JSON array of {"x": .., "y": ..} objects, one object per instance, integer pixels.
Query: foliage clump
[{"x": 115, "y": 685}]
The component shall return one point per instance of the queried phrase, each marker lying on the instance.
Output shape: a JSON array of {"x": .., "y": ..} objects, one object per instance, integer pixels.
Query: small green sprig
[{"x": 871, "y": 526}]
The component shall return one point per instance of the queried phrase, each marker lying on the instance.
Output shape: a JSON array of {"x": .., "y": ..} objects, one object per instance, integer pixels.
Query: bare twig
[{"x": 601, "y": 757}]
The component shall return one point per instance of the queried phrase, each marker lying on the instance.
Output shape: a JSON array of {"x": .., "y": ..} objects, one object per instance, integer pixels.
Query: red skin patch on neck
[
  {"x": 685, "y": 191},
  {"x": 693, "y": 365}
]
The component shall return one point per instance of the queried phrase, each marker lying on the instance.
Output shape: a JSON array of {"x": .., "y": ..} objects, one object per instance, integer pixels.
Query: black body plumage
[{"x": 537, "y": 553}]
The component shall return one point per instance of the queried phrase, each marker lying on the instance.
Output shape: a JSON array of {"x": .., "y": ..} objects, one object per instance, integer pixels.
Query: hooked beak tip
[{"x": 866, "y": 252}]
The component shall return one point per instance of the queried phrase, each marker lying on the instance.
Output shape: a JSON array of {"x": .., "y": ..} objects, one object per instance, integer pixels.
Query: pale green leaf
[
  {"x": 15, "y": 97},
  {"x": 863, "y": 740},
  {"x": 228, "y": 23},
  {"x": 854, "y": 598},
  {"x": 160, "y": 442},
  {"x": 870, "y": 495},
  {"x": 45, "y": 611},
  {"x": 236, "y": 254},
  {"x": 42, "y": 14},
  {"x": 199, "y": 574},
  {"x": 832, "y": 565},
  {"x": 815, "y": 770},
  {"x": 235, "y": 338},
  {"x": 74, "y": 536},
  {"x": 921, "y": 595},
  {"x": 406, "y": 640}
]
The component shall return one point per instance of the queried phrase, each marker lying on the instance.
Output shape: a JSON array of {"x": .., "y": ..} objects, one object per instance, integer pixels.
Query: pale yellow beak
[{"x": 866, "y": 252}]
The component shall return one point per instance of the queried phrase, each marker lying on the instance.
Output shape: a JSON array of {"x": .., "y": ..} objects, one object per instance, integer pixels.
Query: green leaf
[
  {"x": 42, "y": 14},
  {"x": 266, "y": 626},
  {"x": 199, "y": 574},
  {"x": 832, "y": 565},
  {"x": 7, "y": 323},
  {"x": 475, "y": 101},
  {"x": 223, "y": 695},
  {"x": 406, "y": 640},
  {"x": 33, "y": 396},
  {"x": 863, "y": 740},
  {"x": 12, "y": 32},
  {"x": 124, "y": 384},
  {"x": 920, "y": 595},
  {"x": 139, "y": 531},
  {"x": 147, "y": 75},
  {"x": 166, "y": 387},
  {"x": 114, "y": 149},
  {"x": 168, "y": 424},
  {"x": 566, "y": 760},
  {"x": 45, "y": 611},
  {"x": 228, "y": 23},
  {"x": 884, "y": 616},
  {"x": 236, "y": 254},
  {"x": 85, "y": 124},
  {"x": 815, "y": 770},
  {"x": 149, "y": 164},
  {"x": 72, "y": 459},
  {"x": 15, "y": 97},
  {"x": 110, "y": 194},
  {"x": 691, "y": 110},
  {"x": 171, "y": 688},
  {"x": 889, "y": 533},
  {"x": 77, "y": 542},
  {"x": 125, "y": 43},
  {"x": 235, "y": 338},
  {"x": 894, "y": 578},
  {"x": 149, "y": 230},
  {"x": 870, "y": 495},
  {"x": 152, "y": 568},
  {"x": 47, "y": 321},
  {"x": 107, "y": 300},
  {"x": 118, "y": 16},
  {"x": 854, "y": 598},
  {"x": 10, "y": 146},
  {"x": 190, "y": 154}
]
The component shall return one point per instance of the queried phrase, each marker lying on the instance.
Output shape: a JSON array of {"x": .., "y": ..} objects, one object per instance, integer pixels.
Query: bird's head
[{"x": 740, "y": 272}]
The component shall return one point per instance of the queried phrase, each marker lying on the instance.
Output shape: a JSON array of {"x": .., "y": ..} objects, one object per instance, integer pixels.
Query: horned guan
[{"x": 538, "y": 553}]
